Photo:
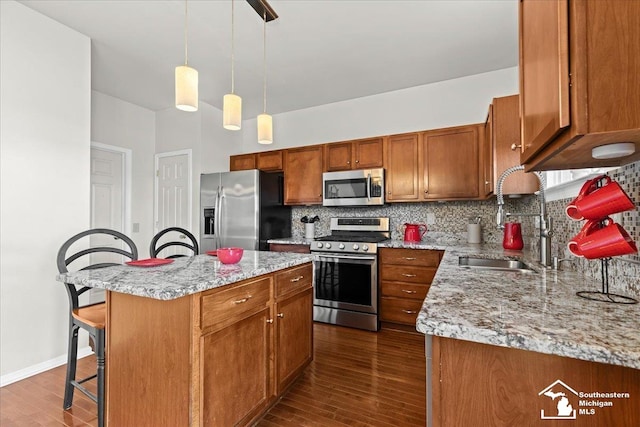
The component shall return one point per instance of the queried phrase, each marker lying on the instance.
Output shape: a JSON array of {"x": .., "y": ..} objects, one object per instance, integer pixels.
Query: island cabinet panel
[
  {"x": 303, "y": 176},
  {"x": 578, "y": 81},
  {"x": 236, "y": 371},
  {"x": 405, "y": 276},
  {"x": 506, "y": 387},
  {"x": 220, "y": 357}
]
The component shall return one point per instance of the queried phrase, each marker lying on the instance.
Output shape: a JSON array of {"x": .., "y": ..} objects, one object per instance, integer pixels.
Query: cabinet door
[
  {"x": 368, "y": 153},
  {"x": 506, "y": 134},
  {"x": 235, "y": 371},
  {"x": 486, "y": 156},
  {"x": 270, "y": 161},
  {"x": 294, "y": 336},
  {"x": 450, "y": 163},
  {"x": 303, "y": 176},
  {"x": 402, "y": 178},
  {"x": 337, "y": 156},
  {"x": 242, "y": 162},
  {"x": 544, "y": 72}
]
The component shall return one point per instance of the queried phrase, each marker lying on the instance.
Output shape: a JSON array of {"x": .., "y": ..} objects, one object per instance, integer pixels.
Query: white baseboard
[{"x": 30, "y": 371}]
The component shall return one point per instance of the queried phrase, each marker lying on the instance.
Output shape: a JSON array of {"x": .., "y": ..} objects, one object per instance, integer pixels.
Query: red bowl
[{"x": 230, "y": 255}]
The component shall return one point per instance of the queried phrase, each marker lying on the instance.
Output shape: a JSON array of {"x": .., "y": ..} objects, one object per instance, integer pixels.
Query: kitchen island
[
  {"x": 197, "y": 342},
  {"x": 521, "y": 348}
]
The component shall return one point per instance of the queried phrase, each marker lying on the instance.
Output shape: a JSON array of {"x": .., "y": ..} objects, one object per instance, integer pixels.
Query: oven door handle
[{"x": 359, "y": 258}]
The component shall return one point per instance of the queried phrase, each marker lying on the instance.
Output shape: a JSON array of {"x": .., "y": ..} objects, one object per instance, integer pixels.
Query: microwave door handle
[{"x": 369, "y": 187}]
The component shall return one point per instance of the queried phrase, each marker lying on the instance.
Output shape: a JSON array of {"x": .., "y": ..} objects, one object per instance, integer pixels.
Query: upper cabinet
[
  {"x": 578, "y": 81},
  {"x": 442, "y": 164},
  {"x": 360, "y": 154},
  {"x": 504, "y": 121},
  {"x": 487, "y": 156},
  {"x": 242, "y": 162},
  {"x": 270, "y": 161},
  {"x": 303, "y": 175}
]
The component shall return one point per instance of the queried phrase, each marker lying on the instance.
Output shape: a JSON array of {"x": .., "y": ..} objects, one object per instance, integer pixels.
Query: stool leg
[
  {"x": 72, "y": 359},
  {"x": 100, "y": 356}
]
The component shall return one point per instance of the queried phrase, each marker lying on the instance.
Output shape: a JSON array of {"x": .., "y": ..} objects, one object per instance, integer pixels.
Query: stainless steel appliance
[
  {"x": 242, "y": 209},
  {"x": 346, "y": 272},
  {"x": 363, "y": 187}
]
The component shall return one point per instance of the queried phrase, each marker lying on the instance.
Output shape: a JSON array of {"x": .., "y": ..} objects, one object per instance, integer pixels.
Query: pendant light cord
[
  {"x": 186, "y": 23},
  {"x": 264, "y": 60},
  {"x": 232, "y": 50}
]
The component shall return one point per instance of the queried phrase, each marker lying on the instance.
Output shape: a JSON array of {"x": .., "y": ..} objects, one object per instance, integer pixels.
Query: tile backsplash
[{"x": 448, "y": 220}]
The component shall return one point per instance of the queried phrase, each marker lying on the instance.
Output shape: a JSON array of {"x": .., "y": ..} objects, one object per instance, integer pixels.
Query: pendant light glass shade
[
  {"x": 265, "y": 129},
  {"x": 186, "y": 88},
  {"x": 232, "y": 112}
]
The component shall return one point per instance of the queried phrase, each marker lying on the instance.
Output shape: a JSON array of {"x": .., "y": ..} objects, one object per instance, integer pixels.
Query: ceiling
[{"x": 318, "y": 51}]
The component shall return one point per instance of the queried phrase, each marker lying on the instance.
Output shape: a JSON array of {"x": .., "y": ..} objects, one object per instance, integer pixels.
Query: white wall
[
  {"x": 437, "y": 105},
  {"x": 120, "y": 123},
  {"x": 45, "y": 104}
]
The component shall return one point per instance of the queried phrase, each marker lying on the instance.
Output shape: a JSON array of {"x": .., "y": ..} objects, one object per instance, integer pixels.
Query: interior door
[
  {"x": 107, "y": 204},
  {"x": 173, "y": 194}
]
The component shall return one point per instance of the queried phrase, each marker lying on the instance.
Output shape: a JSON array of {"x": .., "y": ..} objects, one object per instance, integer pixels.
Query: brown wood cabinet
[
  {"x": 219, "y": 357},
  {"x": 405, "y": 276},
  {"x": 402, "y": 163},
  {"x": 505, "y": 136},
  {"x": 578, "y": 81},
  {"x": 501, "y": 387},
  {"x": 285, "y": 247},
  {"x": 242, "y": 162},
  {"x": 360, "y": 154},
  {"x": 487, "y": 157},
  {"x": 451, "y": 163},
  {"x": 270, "y": 161},
  {"x": 303, "y": 175}
]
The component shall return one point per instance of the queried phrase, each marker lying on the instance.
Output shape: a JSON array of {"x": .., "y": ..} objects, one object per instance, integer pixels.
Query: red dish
[
  {"x": 212, "y": 253},
  {"x": 149, "y": 262}
]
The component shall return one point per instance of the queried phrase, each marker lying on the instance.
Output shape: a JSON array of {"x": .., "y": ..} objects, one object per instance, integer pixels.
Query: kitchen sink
[{"x": 494, "y": 264}]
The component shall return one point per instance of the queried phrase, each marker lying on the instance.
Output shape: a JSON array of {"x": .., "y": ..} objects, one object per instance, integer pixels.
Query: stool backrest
[
  {"x": 128, "y": 250},
  {"x": 154, "y": 249}
]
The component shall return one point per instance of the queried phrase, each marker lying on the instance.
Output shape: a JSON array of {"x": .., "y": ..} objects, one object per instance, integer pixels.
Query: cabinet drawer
[
  {"x": 223, "y": 304},
  {"x": 419, "y": 257},
  {"x": 404, "y": 290},
  {"x": 297, "y": 278},
  {"x": 399, "y": 310},
  {"x": 399, "y": 273}
]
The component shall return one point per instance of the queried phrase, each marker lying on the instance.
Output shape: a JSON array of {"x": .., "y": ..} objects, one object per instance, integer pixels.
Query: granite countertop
[
  {"x": 537, "y": 311},
  {"x": 185, "y": 276}
]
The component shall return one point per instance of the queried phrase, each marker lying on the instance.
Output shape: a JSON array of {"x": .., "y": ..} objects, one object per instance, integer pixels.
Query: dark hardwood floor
[{"x": 357, "y": 378}]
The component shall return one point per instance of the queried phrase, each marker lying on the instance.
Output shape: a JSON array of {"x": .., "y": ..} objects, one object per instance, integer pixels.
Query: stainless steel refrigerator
[{"x": 242, "y": 209}]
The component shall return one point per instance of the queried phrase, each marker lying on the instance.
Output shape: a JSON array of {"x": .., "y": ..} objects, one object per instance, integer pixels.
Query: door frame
[
  {"x": 126, "y": 181},
  {"x": 188, "y": 152}
]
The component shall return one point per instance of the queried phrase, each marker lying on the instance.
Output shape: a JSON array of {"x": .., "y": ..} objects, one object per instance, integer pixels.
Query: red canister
[{"x": 512, "y": 236}]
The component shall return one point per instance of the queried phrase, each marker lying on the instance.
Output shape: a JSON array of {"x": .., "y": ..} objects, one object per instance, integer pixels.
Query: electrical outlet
[
  {"x": 536, "y": 221},
  {"x": 431, "y": 219}
]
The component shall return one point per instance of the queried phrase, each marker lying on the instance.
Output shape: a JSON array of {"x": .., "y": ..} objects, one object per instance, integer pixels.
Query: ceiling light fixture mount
[
  {"x": 186, "y": 77},
  {"x": 263, "y": 9}
]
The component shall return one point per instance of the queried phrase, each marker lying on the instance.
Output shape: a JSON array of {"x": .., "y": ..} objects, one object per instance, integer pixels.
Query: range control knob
[
  {"x": 341, "y": 245},
  {"x": 327, "y": 245},
  {"x": 356, "y": 247},
  {"x": 319, "y": 244},
  {"x": 365, "y": 248}
]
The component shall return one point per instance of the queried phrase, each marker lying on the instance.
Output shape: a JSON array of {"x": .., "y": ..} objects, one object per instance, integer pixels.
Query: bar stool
[
  {"x": 90, "y": 317},
  {"x": 154, "y": 251}
]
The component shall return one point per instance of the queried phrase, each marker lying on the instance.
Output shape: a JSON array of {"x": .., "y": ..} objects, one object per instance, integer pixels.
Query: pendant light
[
  {"x": 186, "y": 78},
  {"x": 232, "y": 103},
  {"x": 265, "y": 121}
]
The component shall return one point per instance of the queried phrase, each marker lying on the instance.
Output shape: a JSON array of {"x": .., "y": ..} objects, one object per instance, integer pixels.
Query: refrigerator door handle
[
  {"x": 216, "y": 223},
  {"x": 220, "y": 216}
]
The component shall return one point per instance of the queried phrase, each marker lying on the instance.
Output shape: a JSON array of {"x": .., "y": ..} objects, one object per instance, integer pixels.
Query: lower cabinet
[
  {"x": 221, "y": 357},
  {"x": 405, "y": 276}
]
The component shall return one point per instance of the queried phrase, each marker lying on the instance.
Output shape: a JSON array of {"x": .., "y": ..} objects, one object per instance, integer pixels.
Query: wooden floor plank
[{"x": 357, "y": 379}]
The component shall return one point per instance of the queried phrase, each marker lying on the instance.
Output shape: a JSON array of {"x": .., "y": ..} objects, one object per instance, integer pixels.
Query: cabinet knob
[
  {"x": 357, "y": 161},
  {"x": 281, "y": 315},
  {"x": 426, "y": 191},
  {"x": 348, "y": 162},
  {"x": 410, "y": 311},
  {"x": 486, "y": 183},
  {"x": 514, "y": 146},
  {"x": 269, "y": 320}
]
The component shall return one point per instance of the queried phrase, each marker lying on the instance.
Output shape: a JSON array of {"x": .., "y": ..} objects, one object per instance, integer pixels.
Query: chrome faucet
[{"x": 546, "y": 223}]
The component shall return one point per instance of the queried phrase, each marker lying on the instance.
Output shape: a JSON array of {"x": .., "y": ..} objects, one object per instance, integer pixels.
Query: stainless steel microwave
[{"x": 363, "y": 187}]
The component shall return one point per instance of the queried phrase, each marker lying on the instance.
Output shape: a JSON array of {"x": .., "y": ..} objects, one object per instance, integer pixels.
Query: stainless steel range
[{"x": 346, "y": 272}]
